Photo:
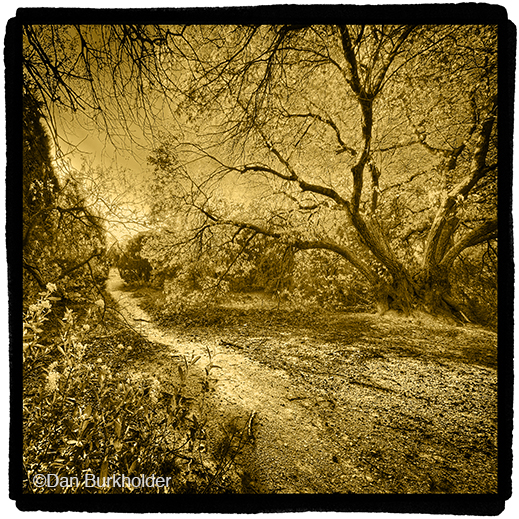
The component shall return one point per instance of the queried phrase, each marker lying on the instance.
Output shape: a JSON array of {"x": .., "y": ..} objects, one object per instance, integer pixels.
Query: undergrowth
[{"x": 89, "y": 418}]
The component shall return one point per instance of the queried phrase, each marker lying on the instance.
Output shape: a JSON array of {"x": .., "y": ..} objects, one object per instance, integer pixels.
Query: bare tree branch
[
  {"x": 459, "y": 192},
  {"x": 485, "y": 232}
]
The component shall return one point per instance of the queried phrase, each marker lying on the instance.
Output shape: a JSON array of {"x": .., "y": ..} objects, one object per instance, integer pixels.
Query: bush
[
  {"x": 320, "y": 280},
  {"x": 85, "y": 420},
  {"x": 474, "y": 284},
  {"x": 133, "y": 268},
  {"x": 265, "y": 264}
]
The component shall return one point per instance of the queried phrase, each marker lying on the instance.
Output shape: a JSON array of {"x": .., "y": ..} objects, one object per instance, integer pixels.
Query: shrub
[
  {"x": 474, "y": 284},
  {"x": 193, "y": 287},
  {"x": 264, "y": 264},
  {"x": 83, "y": 419},
  {"x": 133, "y": 268},
  {"x": 320, "y": 280}
]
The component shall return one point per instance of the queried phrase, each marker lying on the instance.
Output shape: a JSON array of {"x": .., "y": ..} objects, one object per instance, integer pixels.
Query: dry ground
[{"x": 337, "y": 402}]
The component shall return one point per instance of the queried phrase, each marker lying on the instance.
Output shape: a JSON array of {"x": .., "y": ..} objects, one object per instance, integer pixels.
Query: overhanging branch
[
  {"x": 96, "y": 253},
  {"x": 300, "y": 244},
  {"x": 485, "y": 232}
]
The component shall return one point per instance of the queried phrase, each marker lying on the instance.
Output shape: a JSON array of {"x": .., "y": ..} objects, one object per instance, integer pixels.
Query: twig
[
  {"x": 249, "y": 425},
  {"x": 227, "y": 343}
]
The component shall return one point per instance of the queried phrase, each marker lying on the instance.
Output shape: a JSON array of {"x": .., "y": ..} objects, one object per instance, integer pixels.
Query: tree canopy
[{"x": 376, "y": 143}]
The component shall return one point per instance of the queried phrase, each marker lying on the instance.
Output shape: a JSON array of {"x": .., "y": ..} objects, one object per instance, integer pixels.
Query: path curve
[{"x": 291, "y": 452}]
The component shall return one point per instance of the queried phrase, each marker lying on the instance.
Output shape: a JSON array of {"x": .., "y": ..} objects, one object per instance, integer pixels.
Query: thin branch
[
  {"x": 329, "y": 122},
  {"x": 34, "y": 271},
  {"x": 96, "y": 253}
]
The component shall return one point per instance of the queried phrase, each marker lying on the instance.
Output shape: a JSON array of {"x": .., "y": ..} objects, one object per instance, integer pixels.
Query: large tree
[
  {"x": 62, "y": 237},
  {"x": 376, "y": 143}
]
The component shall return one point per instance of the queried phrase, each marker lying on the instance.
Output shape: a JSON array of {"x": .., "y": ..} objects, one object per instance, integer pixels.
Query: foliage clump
[
  {"x": 87, "y": 418},
  {"x": 133, "y": 268},
  {"x": 199, "y": 284},
  {"x": 320, "y": 281}
]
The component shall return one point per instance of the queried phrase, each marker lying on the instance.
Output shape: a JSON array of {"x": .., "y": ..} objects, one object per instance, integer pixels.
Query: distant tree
[{"x": 132, "y": 267}]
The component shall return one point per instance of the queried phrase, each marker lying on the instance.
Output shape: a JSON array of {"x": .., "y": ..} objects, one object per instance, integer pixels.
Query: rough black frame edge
[{"x": 464, "y": 13}]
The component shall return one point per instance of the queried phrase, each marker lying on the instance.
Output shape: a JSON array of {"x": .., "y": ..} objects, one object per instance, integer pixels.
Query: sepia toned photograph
[{"x": 262, "y": 257}]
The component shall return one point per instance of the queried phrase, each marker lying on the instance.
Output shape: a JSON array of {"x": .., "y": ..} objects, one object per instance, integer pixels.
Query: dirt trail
[
  {"x": 347, "y": 403},
  {"x": 290, "y": 453}
]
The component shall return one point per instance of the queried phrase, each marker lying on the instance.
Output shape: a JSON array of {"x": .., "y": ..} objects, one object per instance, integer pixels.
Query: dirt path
[
  {"x": 290, "y": 455},
  {"x": 417, "y": 414}
]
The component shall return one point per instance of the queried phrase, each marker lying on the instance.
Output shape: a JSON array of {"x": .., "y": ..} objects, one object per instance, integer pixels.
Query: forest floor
[{"x": 336, "y": 402}]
